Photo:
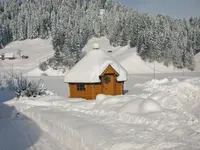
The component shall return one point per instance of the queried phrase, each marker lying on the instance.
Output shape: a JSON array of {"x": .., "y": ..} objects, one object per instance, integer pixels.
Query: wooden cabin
[{"x": 97, "y": 73}]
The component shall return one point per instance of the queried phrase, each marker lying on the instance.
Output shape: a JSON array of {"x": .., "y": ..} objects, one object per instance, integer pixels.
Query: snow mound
[
  {"x": 131, "y": 107},
  {"x": 127, "y": 104},
  {"x": 109, "y": 103},
  {"x": 174, "y": 80},
  {"x": 149, "y": 106},
  {"x": 141, "y": 106}
]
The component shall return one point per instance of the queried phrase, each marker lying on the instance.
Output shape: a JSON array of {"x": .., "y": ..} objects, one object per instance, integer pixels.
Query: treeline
[{"x": 71, "y": 23}]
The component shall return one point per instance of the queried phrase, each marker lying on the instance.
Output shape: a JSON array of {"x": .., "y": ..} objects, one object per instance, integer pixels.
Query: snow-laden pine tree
[{"x": 72, "y": 23}]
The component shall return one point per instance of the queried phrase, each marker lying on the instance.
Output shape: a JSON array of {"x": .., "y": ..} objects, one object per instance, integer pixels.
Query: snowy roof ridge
[{"x": 88, "y": 69}]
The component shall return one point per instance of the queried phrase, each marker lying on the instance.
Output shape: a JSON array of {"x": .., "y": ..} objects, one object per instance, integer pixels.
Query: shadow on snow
[
  {"x": 6, "y": 94},
  {"x": 17, "y": 131}
]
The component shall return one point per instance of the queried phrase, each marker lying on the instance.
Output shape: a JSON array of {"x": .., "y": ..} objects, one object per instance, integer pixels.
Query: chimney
[{"x": 96, "y": 46}]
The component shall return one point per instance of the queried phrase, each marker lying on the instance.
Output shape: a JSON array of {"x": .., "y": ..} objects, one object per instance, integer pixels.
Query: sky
[{"x": 173, "y": 8}]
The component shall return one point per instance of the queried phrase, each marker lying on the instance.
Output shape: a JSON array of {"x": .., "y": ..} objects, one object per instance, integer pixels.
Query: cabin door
[{"x": 108, "y": 81}]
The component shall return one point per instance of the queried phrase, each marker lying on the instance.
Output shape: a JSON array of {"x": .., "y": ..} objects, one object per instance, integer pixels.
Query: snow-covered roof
[
  {"x": 88, "y": 69},
  {"x": 9, "y": 55}
]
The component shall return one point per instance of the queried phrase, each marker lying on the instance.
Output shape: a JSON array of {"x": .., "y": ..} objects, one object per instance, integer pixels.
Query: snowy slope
[
  {"x": 38, "y": 51},
  {"x": 134, "y": 64}
]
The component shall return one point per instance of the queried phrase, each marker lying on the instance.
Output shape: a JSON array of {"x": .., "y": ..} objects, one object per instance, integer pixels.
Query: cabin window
[
  {"x": 107, "y": 79},
  {"x": 81, "y": 87}
]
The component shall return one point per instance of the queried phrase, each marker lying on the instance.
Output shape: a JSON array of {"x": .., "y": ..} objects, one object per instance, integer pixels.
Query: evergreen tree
[{"x": 72, "y": 23}]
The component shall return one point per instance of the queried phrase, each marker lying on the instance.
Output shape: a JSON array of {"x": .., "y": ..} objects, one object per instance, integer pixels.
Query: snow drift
[{"x": 141, "y": 106}]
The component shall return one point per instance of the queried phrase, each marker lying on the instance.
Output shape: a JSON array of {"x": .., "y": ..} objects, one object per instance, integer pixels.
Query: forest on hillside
[{"x": 71, "y": 24}]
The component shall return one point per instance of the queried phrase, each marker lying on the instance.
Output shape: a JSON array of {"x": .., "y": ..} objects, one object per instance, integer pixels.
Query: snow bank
[
  {"x": 155, "y": 81},
  {"x": 152, "y": 85},
  {"x": 181, "y": 96},
  {"x": 126, "y": 104}
]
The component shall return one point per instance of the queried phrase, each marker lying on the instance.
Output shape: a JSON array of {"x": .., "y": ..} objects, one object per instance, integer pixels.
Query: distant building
[
  {"x": 97, "y": 73},
  {"x": 9, "y": 56}
]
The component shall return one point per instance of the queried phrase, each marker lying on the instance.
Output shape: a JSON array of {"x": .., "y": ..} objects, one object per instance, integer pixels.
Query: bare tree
[{"x": 24, "y": 87}]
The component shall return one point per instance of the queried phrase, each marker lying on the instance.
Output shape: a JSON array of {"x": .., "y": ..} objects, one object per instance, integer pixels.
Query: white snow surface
[
  {"x": 88, "y": 69},
  {"x": 49, "y": 72},
  {"x": 166, "y": 117},
  {"x": 133, "y": 63},
  {"x": 38, "y": 51},
  {"x": 155, "y": 114}
]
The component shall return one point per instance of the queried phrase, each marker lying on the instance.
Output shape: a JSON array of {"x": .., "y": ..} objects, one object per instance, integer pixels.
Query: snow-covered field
[
  {"x": 158, "y": 114},
  {"x": 154, "y": 114}
]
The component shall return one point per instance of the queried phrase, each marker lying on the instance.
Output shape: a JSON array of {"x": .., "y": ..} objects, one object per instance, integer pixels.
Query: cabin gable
[{"x": 110, "y": 70}]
